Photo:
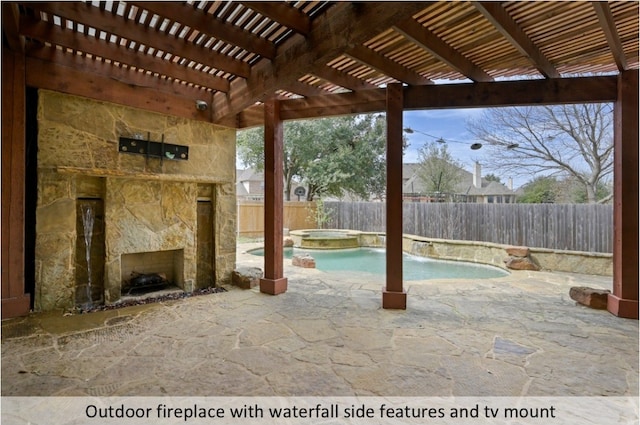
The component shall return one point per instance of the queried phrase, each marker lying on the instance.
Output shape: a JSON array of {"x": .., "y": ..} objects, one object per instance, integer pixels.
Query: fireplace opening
[{"x": 151, "y": 273}]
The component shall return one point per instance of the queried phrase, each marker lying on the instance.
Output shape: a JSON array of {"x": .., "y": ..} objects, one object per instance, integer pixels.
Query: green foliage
[
  {"x": 319, "y": 214},
  {"x": 492, "y": 178},
  {"x": 578, "y": 194},
  {"x": 567, "y": 190},
  {"x": 541, "y": 190},
  {"x": 331, "y": 155},
  {"x": 439, "y": 171}
]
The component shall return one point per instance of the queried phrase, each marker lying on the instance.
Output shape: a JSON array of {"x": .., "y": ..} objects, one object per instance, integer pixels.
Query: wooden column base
[
  {"x": 273, "y": 286},
  {"x": 394, "y": 300},
  {"x": 622, "y": 308},
  {"x": 16, "y": 307}
]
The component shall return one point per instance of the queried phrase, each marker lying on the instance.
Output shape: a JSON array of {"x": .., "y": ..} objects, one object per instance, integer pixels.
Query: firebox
[{"x": 143, "y": 271}]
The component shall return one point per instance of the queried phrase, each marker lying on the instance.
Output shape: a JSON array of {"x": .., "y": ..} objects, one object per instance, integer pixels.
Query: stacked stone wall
[{"x": 150, "y": 204}]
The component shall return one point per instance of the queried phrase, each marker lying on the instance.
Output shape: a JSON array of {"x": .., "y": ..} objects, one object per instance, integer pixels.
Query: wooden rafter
[
  {"x": 303, "y": 89},
  {"x": 386, "y": 66},
  {"x": 128, "y": 76},
  {"x": 212, "y": 26},
  {"x": 240, "y": 54},
  {"x": 426, "y": 39},
  {"x": 140, "y": 34},
  {"x": 97, "y": 47},
  {"x": 343, "y": 79},
  {"x": 500, "y": 18},
  {"x": 284, "y": 14},
  {"x": 609, "y": 28},
  {"x": 300, "y": 55}
]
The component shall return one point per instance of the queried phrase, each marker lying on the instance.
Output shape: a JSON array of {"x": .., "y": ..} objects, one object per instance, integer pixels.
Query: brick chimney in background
[
  {"x": 477, "y": 175},
  {"x": 510, "y": 183}
]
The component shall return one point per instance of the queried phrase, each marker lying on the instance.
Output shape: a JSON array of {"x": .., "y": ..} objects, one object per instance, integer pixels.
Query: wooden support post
[
  {"x": 624, "y": 300},
  {"x": 393, "y": 296},
  {"x": 14, "y": 300},
  {"x": 274, "y": 282}
]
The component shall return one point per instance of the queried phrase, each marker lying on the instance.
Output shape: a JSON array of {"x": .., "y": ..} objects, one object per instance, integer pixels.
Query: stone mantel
[{"x": 101, "y": 172}]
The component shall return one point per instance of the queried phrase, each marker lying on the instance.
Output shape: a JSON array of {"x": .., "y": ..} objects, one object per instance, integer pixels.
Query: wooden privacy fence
[
  {"x": 297, "y": 215},
  {"x": 575, "y": 227}
]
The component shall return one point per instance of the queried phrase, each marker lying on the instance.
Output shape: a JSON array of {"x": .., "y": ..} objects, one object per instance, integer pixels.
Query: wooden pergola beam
[
  {"x": 94, "y": 46},
  {"x": 512, "y": 93},
  {"x": 448, "y": 96},
  {"x": 10, "y": 26},
  {"x": 128, "y": 76},
  {"x": 343, "y": 79},
  {"x": 334, "y": 104},
  {"x": 301, "y": 55},
  {"x": 495, "y": 13},
  {"x": 63, "y": 79},
  {"x": 603, "y": 11},
  {"x": 430, "y": 42},
  {"x": 386, "y": 66},
  {"x": 303, "y": 89},
  {"x": 138, "y": 33},
  {"x": 211, "y": 26},
  {"x": 282, "y": 13}
]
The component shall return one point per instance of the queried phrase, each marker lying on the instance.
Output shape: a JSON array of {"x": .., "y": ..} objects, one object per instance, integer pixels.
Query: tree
[
  {"x": 439, "y": 171},
  {"x": 541, "y": 190},
  {"x": 565, "y": 140},
  {"x": 492, "y": 178},
  {"x": 331, "y": 155}
]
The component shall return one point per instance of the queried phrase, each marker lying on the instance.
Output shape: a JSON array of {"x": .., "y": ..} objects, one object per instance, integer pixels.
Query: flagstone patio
[{"x": 328, "y": 335}]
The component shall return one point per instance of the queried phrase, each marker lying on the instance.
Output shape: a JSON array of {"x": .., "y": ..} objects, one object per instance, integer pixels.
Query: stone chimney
[
  {"x": 477, "y": 175},
  {"x": 510, "y": 183}
]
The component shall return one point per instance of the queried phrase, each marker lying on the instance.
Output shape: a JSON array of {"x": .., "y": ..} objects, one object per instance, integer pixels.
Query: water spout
[{"x": 88, "y": 218}]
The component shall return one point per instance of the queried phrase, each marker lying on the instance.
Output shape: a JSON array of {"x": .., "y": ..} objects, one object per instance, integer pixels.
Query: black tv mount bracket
[{"x": 152, "y": 149}]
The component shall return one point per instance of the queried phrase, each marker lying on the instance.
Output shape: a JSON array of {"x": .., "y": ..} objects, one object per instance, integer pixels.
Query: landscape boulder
[
  {"x": 594, "y": 298},
  {"x": 304, "y": 260},
  {"x": 521, "y": 263},
  {"x": 519, "y": 259},
  {"x": 246, "y": 277},
  {"x": 517, "y": 251}
]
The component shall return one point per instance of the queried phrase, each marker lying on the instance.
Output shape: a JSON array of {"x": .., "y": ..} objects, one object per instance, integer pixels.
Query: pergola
[{"x": 262, "y": 63}]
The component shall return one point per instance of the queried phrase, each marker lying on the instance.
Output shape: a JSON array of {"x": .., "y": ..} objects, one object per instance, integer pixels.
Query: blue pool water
[{"x": 372, "y": 260}]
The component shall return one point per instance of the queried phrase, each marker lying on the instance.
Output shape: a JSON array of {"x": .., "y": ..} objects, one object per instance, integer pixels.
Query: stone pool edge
[{"x": 488, "y": 253}]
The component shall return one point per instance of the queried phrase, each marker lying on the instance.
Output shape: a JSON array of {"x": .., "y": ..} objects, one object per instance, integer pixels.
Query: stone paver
[{"x": 328, "y": 336}]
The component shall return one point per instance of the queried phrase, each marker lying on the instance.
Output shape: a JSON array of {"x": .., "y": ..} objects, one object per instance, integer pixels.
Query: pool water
[{"x": 372, "y": 260}]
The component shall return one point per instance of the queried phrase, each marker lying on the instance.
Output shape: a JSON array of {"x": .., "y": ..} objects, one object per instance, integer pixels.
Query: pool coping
[{"x": 488, "y": 253}]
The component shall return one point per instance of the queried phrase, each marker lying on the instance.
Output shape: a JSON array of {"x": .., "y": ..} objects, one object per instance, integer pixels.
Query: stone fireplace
[
  {"x": 103, "y": 214},
  {"x": 169, "y": 264}
]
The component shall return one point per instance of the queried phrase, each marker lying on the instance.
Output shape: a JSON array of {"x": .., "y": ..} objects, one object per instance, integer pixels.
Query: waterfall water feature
[{"x": 88, "y": 218}]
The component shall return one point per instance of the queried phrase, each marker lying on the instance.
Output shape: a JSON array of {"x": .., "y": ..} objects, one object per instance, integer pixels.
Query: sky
[{"x": 450, "y": 125}]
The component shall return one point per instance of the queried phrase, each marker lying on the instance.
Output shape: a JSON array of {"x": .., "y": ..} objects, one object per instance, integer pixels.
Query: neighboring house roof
[
  {"x": 241, "y": 190},
  {"x": 249, "y": 175},
  {"x": 488, "y": 187},
  {"x": 412, "y": 183}
]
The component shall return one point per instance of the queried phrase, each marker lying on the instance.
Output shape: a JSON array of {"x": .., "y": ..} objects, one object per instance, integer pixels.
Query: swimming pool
[{"x": 372, "y": 260}]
